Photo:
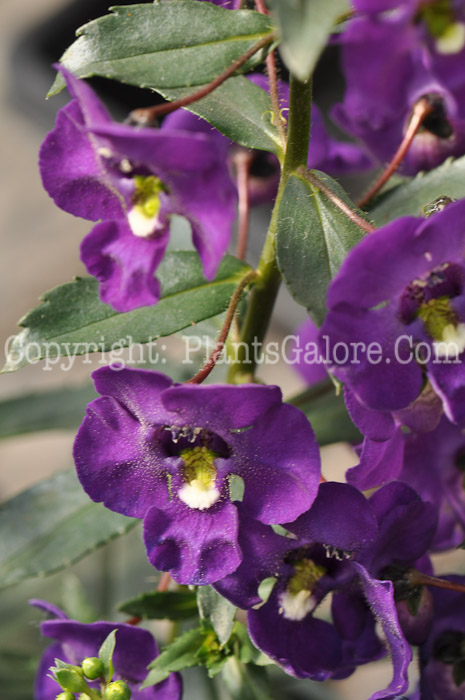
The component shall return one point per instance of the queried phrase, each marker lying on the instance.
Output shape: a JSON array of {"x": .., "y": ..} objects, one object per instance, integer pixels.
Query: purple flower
[
  {"x": 167, "y": 453},
  {"x": 325, "y": 153},
  {"x": 74, "y": 641},
  {"x": 433, "y": 464},
  {"x": 393, "y": 58},
  {"x": 133, "y": 180},
  {"x": 347, "y": 546},
  {"x": 442, "y": 656},
  {"x": 397, "y": 311}
]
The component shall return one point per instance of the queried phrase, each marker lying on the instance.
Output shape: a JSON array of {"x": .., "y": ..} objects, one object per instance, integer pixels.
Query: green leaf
[
  {"x": 408, "y": 198},
  {"x": 52, "y": 525},
  {"x": 165, "y": 45},
  {"x": 313, "y": 238},
  {"x": 171, "y": 605},
  {"x": 182, "y": 653},
  {"x": 305, "y": 26},
  {"x": 72, "y": 320},
  {"x": 327, "y": 413},
  {"x": 61, "y": 408},
  {"x": 217, "y": 610},
  {"x": 105, "y": 654},
  {"x": 245, "y": 681},
  {"x": 240, "y": 110}
]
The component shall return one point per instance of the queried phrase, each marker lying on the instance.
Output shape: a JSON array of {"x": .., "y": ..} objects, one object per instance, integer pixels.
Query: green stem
[{"x": 263, "y": 296}]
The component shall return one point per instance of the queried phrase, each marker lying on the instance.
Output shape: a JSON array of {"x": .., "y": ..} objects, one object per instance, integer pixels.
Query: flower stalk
[{"x": 264, "y": 294}]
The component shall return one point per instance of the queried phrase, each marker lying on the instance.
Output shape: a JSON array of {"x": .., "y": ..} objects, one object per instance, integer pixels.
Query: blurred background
[{"x": 40, "y": 245}]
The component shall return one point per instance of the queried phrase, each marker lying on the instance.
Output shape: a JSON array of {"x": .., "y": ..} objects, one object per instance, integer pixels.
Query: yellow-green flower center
[
  {"x": 146, "y": 196},
  {"x": 297, "y": 601},
  {"x": 199, "y": 472},
  {"x": 146, "y": 207},
  {"x": 438, "y": 17},
  {"x": 436, "y": 315},
  {"x": 198, "y": 466},
  {"x": 306, "y": 575},
  {"x": 441, "y": 23}
]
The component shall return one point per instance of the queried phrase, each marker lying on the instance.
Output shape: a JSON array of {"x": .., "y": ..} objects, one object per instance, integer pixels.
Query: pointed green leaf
[
  {"x": 313, "y": 238},
  {"x": 61, "y": 408},
  {"x": 165, "y": 44},
  {"x": 240, "y": 110},
  {"x": 72, "y": 320},
  {"x": 409, "y": 198},
  {"x": 52, "y": 525},
  {"x": 305, "y": 26},
  {"x": 170, "y": 605},
  {"x": 105, "y": 654},
  {"x": 216, "y": 610},
  {"x": 182, "y": 653}
]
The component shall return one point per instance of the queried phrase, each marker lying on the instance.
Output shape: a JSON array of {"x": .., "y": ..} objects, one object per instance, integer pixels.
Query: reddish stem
[
  {"x": 215, "y": 355},
  {"x": 327, "y": 191},
  {"x": 164, "y": 582},
  {"x": 134, "y": 620},
  {"x": 146, "y": 115},
  {"x": 242, "y": 160},
  {"x": 418, "y": 578},
  {"x": 420, "y": 111}
]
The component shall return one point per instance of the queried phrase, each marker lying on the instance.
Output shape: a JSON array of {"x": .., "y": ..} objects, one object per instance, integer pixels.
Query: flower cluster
[
  {"x": 396, "y": 52},
  {"x": 227, "y": 477}
]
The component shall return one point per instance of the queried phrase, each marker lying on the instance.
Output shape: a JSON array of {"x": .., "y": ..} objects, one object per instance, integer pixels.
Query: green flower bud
[
  {"x": 65, "y": 696},
  {"x": 118, "y": 690},
  {"x": 71, "y": 679},
  {"x": 93, "y": 667}
]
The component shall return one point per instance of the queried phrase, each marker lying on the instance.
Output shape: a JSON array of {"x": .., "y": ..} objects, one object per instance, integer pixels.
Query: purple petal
[
  {"x": 448, "y": 381},
  {"x": 138, "y": 390},
  {"x": 406, "y": 526},
  {"x": 380, "y": 598},
  {"x": 72, "y": 171},
  {"x": 196, "y": 547},
  {"x": 340, "y": 517},
  {"x": 380, "y": 462},
  {"x": 230, "y": 408},
  {"x": 375, "y": 425},
  {"x": 115, "y": 462},
  {"x": 308, "y": 648},
  {"x": 45, "y": 687},
  {"x": 262, "y": 557},
  {"x": 47, "y": 607},
  {"x": 281, "y": 465},
  {"x": 124, "y": 264}
]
